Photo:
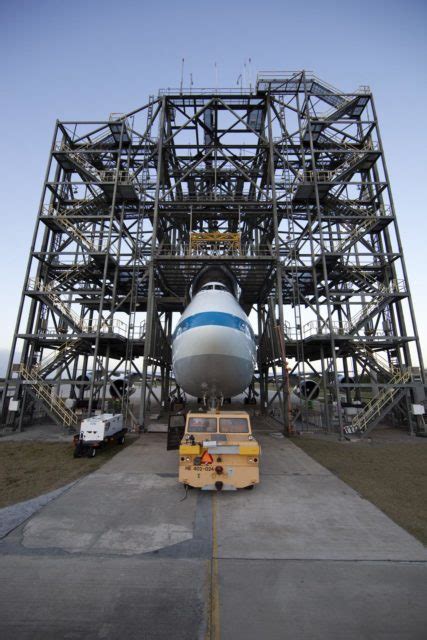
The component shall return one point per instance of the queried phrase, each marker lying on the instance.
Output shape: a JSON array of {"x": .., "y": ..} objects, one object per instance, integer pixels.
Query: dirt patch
[
  {"x": 391, "y": 476},
  {"x": 29, "y": 469}
]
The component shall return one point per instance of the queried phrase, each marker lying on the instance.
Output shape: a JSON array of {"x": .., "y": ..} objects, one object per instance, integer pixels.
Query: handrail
[
  {"x": 54, "y": 355},
  {"x": 191, "y": 91},
  {"x": 345, "y": 327},
  {"x": 51, "y": 210},
  {"x": 105, "y": 176},
  {"x": 375, "y": 405},
  {"x": 246, "y": 250},
  {"x": 54, "y": 402},
  {"x": 115, "y": 326},
  {"x": 382, "y": 291}
]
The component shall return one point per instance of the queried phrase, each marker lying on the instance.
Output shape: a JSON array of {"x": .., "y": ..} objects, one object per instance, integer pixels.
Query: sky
[{"x": 86, "y": 59}]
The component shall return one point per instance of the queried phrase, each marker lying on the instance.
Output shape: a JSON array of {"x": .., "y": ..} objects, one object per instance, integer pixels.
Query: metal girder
[{"x": 295, "y": 168}]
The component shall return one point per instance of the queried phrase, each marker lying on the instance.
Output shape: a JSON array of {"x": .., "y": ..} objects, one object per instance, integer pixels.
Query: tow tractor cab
[{"x": 217, "y": 451}]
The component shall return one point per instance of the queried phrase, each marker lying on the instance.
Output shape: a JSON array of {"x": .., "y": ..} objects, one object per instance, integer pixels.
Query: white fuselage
[{"x": 213, "y": 348}]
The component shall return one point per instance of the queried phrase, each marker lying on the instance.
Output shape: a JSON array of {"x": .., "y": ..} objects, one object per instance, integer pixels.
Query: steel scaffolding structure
[{"x": 293, "y": 172}]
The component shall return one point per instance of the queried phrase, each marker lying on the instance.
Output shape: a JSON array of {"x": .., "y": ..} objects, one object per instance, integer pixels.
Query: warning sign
[{"x": 206, "y": 458}]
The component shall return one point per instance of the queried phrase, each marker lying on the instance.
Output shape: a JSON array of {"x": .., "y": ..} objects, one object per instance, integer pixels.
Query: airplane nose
[
  {"x": 213, "y": 350},
  {"x": 220, "y": 374}
]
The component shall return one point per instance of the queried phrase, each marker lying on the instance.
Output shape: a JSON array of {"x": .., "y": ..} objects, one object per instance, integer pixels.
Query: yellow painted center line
[{"x": 214, "y": 632}]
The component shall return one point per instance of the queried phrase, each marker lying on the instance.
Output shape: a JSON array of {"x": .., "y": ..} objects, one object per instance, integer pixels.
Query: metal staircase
[
  {"x": 384, "y": 368},
  {"x": 52, "y": 361},
  {"x": 100, "y": 177},
  {"x": 356, "y": 234},
  {"x": 78, "y": 236},
  {"x": 340, "y": 173},
  {"x": 41, "y": 389},
  {"x": 84, "y": 206},
  {"x": 53, "y": 403},
  {"x": 86, "y": 167},
  {"x": 379, "y": 405},
  {"x": 77, "y": 323},
  {"x": 37, "y": 374},
  {"x": 380, "y": 294},
  {"x": 35, "y": 284},
  {"x": 76, "y": 273}
]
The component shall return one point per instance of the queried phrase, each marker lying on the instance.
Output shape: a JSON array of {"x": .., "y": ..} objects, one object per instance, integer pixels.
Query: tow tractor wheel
[
  {"x": 77, "y": 453},
  {"x": 121, "y": 440},
  {"x": 92, "y": 453}
]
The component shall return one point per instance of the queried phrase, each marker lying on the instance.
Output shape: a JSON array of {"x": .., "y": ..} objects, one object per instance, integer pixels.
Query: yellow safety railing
[
  {"x": 54, "y": 402},
  {"x": 214, "y": 243},
  {"x": 373, "y": 408}
]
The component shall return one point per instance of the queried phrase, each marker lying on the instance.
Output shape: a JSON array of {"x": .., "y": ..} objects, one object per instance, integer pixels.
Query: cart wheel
[
  {"x": 92, "y": 453},
  {"x": 121, "y": 440},
  {"x": 251, "y": 486},
  {"x": 76, "y": 453}
]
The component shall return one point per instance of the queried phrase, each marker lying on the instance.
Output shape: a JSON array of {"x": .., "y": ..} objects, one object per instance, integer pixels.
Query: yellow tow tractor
[{"x": 217, "y": 451}]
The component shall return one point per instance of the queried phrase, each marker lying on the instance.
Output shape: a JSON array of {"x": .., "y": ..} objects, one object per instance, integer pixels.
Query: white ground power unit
[{"x": 98, "y": 430}]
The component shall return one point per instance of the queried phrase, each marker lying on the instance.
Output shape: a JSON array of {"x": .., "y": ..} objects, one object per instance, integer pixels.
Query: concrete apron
[{"x": 122, "y": 554}]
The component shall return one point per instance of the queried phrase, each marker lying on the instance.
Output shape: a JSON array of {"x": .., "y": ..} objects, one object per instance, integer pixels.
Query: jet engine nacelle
[
  {"x": 307, "y": 389},
  {"x": 120, "y": 388}
]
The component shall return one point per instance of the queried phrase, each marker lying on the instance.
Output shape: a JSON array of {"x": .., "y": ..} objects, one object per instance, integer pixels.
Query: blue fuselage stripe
[{"x": 218, "y": 318}]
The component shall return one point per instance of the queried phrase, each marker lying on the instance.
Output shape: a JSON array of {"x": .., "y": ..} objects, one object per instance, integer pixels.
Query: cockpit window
[
  {"x": 218, "y": 287},
  {"x": 233, "y": 425},
  {"x": 202, "y": 425}
]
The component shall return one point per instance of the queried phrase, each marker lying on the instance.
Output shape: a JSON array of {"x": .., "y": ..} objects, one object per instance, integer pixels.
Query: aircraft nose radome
[
  {"x": 213, "y": 350},
  {"x": 217, "y": 374},
  {"x": 216, "y": 340}
]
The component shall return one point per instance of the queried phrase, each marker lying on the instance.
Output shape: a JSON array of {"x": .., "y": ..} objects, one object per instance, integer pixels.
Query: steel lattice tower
[{"x": 296, "y": 168}]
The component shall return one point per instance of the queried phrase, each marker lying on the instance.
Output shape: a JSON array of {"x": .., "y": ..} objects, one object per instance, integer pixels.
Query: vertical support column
[
  {"x": 151, "y": 306},
  {"x": 8, "y": 378},
  {"x": 105, "y": 271},
  {"x": 323, "y": 259},
  {"x": 279, "y": 293},
  {"x": 105, "y": 381},
  {"x": 263, "y": 387},
  {"x": 167, "y": 366},
  {"x": 399, "y": 243}
]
